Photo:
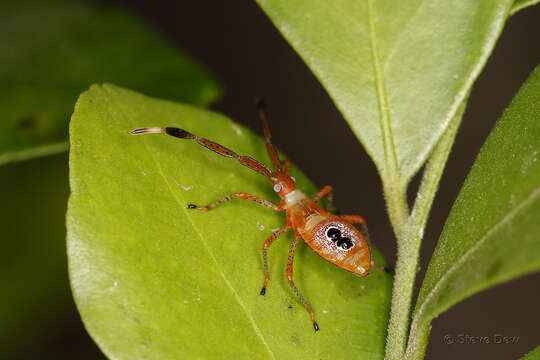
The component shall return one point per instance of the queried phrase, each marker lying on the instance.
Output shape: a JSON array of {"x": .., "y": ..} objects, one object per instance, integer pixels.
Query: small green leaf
[
  {"x": 533, "y": 355},
  {"x": 522, "y": 4},
  {"x": 397, "y": 70},
  {"x": 153, "y": 279},
  {"x": 51, "y": 51},
  {"x": 492, "y": 233}
]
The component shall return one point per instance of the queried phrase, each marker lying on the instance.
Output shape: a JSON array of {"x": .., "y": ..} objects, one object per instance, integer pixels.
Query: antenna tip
[
  {"x": 261, "y": 104},
  {"x": 140, "y": 131}
]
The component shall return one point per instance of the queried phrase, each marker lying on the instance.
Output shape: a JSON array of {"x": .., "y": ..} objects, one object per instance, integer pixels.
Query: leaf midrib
[
  {"x": 390, "y": 159},
  {"x": 207, "y": 248}
]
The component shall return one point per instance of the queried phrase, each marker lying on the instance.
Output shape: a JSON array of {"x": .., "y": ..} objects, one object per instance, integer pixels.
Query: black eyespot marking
[
  {"x": 344, "y": 243},
  {"x": 333, "y": 233}
]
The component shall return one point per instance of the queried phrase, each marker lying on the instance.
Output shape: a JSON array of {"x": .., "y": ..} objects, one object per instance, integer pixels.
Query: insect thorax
[{"x": 295, "y": 197}]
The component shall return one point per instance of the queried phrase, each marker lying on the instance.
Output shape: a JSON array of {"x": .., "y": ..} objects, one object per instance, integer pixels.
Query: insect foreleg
[
  {"x": 240, "y": 195},
  {"x": 266, "y": 245},
  {"x": 291, "y": 282}
]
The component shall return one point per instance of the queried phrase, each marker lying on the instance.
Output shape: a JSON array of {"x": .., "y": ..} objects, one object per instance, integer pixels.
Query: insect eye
[
  {"x": 333, "y": 233},
  {"x": 277, "y": 187},
  {"x": 293, "y": 179},
  {"x": 345, "y": 243}
]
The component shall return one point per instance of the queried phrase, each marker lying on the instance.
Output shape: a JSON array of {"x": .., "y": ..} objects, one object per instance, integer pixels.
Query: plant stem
[
  {"x": 418, "y": 339},
  {"x": 410, "y": 234},
  {"x": 419, "y": 333}
]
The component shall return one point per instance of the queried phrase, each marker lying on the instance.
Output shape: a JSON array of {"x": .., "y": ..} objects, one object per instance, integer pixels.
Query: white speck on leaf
[
  {"x": 142, "y": 172},
  {"x": 186, "y": 188},
  {"x": 236, "y": 129},
  {"x": 528, "y": 161},
  {"x": 116, "y": 284},
  {"x": 325, "y": 311},
  {"x": 186, "y": 301}
]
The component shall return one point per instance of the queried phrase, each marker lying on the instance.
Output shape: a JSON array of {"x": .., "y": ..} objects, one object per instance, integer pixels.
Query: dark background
[{"x": 236, "y": 42}]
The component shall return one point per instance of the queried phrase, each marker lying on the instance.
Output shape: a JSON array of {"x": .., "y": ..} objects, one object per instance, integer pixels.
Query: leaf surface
[
  {"x": 397, "y": 70},
  {"x": 51, "y": 51},
  {"x": 492, "y": 233},
  {"x": 155, "y": 280}
]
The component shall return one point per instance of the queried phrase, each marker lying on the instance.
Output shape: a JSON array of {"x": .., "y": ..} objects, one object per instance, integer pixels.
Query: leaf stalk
[{"x": 410, "y": 232}]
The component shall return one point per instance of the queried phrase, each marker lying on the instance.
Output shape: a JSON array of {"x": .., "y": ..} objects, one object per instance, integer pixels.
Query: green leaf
[
  {"x": 522, "y": 4},
  {"x": 397, "y": 70},
  {"x": 37, "y": 304},
  {"x": 53, "y": 50},
  {"x": 533, "y": 355},
  {"x": 491, "y": 235},
  {"x": 154, "y": 279}
]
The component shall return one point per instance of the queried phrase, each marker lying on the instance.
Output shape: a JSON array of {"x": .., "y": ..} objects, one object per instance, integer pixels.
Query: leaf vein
[
  {"x": 258, "y": 332},
  {"x": 227, "y": 282}
]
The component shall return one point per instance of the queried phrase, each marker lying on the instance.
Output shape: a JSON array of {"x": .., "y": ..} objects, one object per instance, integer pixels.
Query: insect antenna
[
  {"x": 215, "y": 147},
  {"x": 266, "y": 130}
]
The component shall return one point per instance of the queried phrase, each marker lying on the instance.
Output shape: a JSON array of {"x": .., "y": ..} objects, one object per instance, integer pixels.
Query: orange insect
[{"x": 331, "y": 236}]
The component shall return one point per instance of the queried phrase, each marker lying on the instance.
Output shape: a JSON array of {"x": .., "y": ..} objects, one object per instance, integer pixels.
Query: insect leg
[
  {"x": 271, "y": 150},
  {"x": 291, "y": 282},
  {"x": 326, "y": 191},
  {"x": 357, "y": 219},
  {"x": 266, "y": 245},
  {"x": 240, "y": 195}
]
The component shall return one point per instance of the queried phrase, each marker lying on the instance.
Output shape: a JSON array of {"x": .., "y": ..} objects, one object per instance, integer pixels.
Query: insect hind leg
[{"x": 357, "y": 219}]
